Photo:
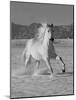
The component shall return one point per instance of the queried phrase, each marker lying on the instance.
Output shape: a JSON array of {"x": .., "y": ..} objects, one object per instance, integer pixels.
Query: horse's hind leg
[{"x": 62, "y": 62}]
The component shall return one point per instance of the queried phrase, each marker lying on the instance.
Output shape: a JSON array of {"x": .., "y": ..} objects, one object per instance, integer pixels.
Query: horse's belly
[
  {"x": 36, "y": 56},
  {"x": 36, "y": 53}
]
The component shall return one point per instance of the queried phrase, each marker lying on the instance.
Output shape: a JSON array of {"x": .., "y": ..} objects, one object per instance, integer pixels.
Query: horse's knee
[{"x": 57, "y": 58}]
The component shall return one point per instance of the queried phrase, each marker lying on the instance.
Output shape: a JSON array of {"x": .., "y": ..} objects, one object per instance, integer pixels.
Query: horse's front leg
[
  {"x": 49, "y": 65},
  {"x": 26, "y": 61},
  {"x": 36, "y": 68},
  {"x": 62, "y": 62}
]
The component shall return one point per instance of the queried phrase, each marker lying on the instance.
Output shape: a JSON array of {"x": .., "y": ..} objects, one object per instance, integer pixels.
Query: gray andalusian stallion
[{"x": 37, "y": 48}]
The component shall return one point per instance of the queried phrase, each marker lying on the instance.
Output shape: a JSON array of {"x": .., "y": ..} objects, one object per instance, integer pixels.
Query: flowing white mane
[{"x": 41, "y": 30}]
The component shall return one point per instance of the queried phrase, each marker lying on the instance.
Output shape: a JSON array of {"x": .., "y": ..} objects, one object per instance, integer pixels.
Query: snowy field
[{"x": 24, "y": 85}]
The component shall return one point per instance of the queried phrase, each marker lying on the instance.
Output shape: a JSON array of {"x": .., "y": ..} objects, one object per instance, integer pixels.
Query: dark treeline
[
  {"x": 25, "y": 32},
  {"x": 64, "y": 31}
]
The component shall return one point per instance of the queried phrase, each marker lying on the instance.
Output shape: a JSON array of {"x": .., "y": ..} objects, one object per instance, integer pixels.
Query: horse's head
[
  {"x": 41, "y": 31},
  {"x": 45, "y": 30},
  {"x": 51, "y": 30}
]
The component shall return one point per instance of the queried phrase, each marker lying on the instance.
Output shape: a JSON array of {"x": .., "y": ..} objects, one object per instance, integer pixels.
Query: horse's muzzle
[{"x": 52, "y": 39}]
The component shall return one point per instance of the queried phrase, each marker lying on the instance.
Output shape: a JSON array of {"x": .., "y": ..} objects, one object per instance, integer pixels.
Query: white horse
[{"x": 37, "y": 48}]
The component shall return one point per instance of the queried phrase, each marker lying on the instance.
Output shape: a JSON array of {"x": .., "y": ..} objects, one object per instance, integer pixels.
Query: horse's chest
[{"x": 38, "y": 52}]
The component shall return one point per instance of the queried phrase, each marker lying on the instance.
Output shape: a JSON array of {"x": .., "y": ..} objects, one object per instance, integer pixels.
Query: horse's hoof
[
  {"x": 51, "y": 76},
  {"x": 63, "y": 70},
  {"x": 35, "y": 74}
]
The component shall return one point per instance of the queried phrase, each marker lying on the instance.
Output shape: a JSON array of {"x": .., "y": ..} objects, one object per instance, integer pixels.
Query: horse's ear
[{"x": 50, "y": 25}]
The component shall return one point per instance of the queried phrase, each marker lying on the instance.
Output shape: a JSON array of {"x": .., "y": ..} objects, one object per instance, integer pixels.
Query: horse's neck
[{"x": 46, "y": 41}]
